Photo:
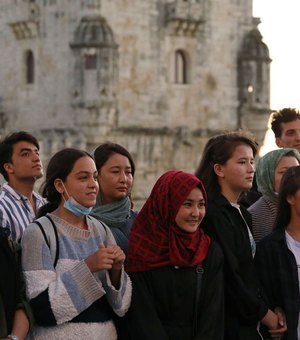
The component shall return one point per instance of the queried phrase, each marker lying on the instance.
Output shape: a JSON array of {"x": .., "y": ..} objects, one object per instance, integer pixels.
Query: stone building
[{"x": 157, "y": 76}]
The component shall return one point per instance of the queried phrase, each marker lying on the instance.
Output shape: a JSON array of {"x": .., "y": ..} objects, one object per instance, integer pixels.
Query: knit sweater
[
  {"x": 263, "y": 214},
  {"x": 69, "y": 301}
]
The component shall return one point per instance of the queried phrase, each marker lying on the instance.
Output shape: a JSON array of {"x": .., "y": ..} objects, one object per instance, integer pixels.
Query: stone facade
[{"x": 157, "y": 76}]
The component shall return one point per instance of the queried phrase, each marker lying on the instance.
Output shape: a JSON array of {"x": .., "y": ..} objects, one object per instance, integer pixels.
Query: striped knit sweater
[
  {"x": 263, "y": 213},
  {"x": 68, "y": 301}
]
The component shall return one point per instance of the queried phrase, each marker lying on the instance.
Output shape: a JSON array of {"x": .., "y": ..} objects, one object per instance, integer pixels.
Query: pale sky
[{"x": 280, "y": 30}]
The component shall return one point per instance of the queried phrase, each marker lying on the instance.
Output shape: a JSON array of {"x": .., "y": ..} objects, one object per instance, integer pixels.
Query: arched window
[
  {"x": 181, "y": 67},
  {"x": 29, "y": 64}
]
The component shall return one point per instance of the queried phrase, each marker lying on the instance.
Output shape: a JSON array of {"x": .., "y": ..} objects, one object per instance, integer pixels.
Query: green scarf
[
  {"x": 114, "y": 215},
  {"x": 265, "y": 171}
]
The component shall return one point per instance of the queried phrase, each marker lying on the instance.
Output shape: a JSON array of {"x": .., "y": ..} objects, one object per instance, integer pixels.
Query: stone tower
[
  {"x": 157, "y": 76},
  {"x": 254, "y": 82}
]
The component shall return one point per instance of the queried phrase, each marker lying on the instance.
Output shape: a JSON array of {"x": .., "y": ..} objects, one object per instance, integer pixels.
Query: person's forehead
[
  {"x": 23, "y": 145},
  {"x": 293, "y": 125}
]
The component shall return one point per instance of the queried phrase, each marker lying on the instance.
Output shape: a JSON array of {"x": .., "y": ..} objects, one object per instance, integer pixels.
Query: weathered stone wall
[{"x": 133, "y": 99}]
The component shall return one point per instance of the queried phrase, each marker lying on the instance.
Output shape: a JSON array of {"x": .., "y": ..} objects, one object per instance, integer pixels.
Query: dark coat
[
  {"x": 11, "y": 289},
  {"x": 163, "y": 302},
  {"x": 244, "y": 303},
  {"x": 278, "y": 273}
]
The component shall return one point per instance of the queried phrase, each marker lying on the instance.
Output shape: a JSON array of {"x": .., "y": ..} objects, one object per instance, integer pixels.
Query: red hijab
[{"x": 155, "y": 239}]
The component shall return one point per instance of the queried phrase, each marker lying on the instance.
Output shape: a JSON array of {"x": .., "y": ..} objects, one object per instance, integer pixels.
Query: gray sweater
[{"x": 68, "y": 298}]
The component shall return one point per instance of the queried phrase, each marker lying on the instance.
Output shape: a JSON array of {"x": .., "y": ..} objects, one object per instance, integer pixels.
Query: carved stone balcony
[
  {"x": 184, "y": 17},
  {"x": 26, "y": 21},
  {"x": 25, "y": 29}
]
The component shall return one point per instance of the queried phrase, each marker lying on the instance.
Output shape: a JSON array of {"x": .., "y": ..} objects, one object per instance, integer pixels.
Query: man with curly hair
[{"x": 285, "y": 124}]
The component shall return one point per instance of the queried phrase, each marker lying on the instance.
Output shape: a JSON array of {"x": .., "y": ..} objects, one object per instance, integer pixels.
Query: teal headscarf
[{"x": 265, "y": 171}]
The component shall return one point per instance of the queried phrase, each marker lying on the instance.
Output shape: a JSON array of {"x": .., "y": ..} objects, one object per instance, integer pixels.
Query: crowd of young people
[{"x": 194, "y": 263}]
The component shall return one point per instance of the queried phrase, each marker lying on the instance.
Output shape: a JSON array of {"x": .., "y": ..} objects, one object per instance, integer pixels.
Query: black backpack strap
[
  {"x": 97, "y": 222},
  {"x": 199, "y": 273},
  {"x": 43, "y": 232},
  {"x": 56, "y": 240},
  {"x": 50, "y": 234}
]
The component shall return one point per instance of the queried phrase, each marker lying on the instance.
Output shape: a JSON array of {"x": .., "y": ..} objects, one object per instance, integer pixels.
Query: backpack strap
[
  {"x": 98, "y": 223},
  {"x": 199, "y": 273},
  {"x": 49, "y": 231}
]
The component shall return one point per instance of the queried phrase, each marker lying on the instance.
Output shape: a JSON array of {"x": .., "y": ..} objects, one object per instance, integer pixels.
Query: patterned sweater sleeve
[
  {"x": 56, "y": 296},
  {"x": 119, "y": 299}
]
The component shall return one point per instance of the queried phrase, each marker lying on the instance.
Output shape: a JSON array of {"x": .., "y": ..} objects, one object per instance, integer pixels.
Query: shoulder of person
[
  {"x": 133, "y": 213},
  {"x": 103, "y": 228},
  {"x": 218, "y": 203},
  {"x": 33, "y": 230},
  {"x": 256, "y": 205},
  {"x": 40, "y": 198},
  {"x": 215, "y": 256},
  {"x": 7, "y": 242},
  {"x": 97, "y": 223},
  {"x": 216, "y": 249},
  {"x": 275, "y": 237}
]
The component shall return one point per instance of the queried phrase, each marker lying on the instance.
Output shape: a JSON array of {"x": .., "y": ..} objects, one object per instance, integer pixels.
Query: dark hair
[
  {"x": 59, "y": 166},
  {"x": 285, "y": 115},
  {"x": 290, "y": 184},
  {"x": 6, "y": 147},
  {"x": 218, "y": 150},
  {"x": 104, "y": 152}
]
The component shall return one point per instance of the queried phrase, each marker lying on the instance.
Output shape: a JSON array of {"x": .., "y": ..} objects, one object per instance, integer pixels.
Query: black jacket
[
  {"x": 11, "y": 286},
  {"x": 278, "y": 273},
  {"x": 163, "y": 302},
  {"x": 244, "y": 303}
]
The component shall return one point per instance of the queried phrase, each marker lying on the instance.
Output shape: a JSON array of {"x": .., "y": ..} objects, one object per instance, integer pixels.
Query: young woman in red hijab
[{"x": 176, "y": 269}]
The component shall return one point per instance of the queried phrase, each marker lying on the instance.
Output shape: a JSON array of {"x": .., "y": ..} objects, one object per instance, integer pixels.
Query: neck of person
[
  {"x": 24, "y": 187},
  {"x": 68, "y": 216},
  {"x": 231, "y": 195},
  {"x": 104, "y": 200},
  {"x": 293, "y": 228}
]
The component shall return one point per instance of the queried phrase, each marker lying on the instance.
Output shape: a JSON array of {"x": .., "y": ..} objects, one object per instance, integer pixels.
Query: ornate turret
[
  {"x": 95, "y": 32},
  {"x": 96, "y": 73},
  {"x": 254, "y": 83}
]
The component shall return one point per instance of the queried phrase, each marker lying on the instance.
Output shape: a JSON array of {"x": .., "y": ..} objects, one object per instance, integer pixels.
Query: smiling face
[
  {"x": 81, "y": 183},
  {"x": 191, "y": 212},
  {"x": 236, "y": 175},
  {"x": 290, "y": 135},
  {"x": 115, "y": 178},
  {"x": 25, "y": 162}
]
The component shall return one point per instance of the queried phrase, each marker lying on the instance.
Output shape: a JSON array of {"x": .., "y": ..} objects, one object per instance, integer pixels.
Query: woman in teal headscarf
[{"x": 269, "y": 171}]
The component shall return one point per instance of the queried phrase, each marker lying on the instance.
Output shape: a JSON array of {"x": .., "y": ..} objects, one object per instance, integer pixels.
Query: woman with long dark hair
[
  {"x": 227, "y": 169},
  {"x": 278, "y": 255}
]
